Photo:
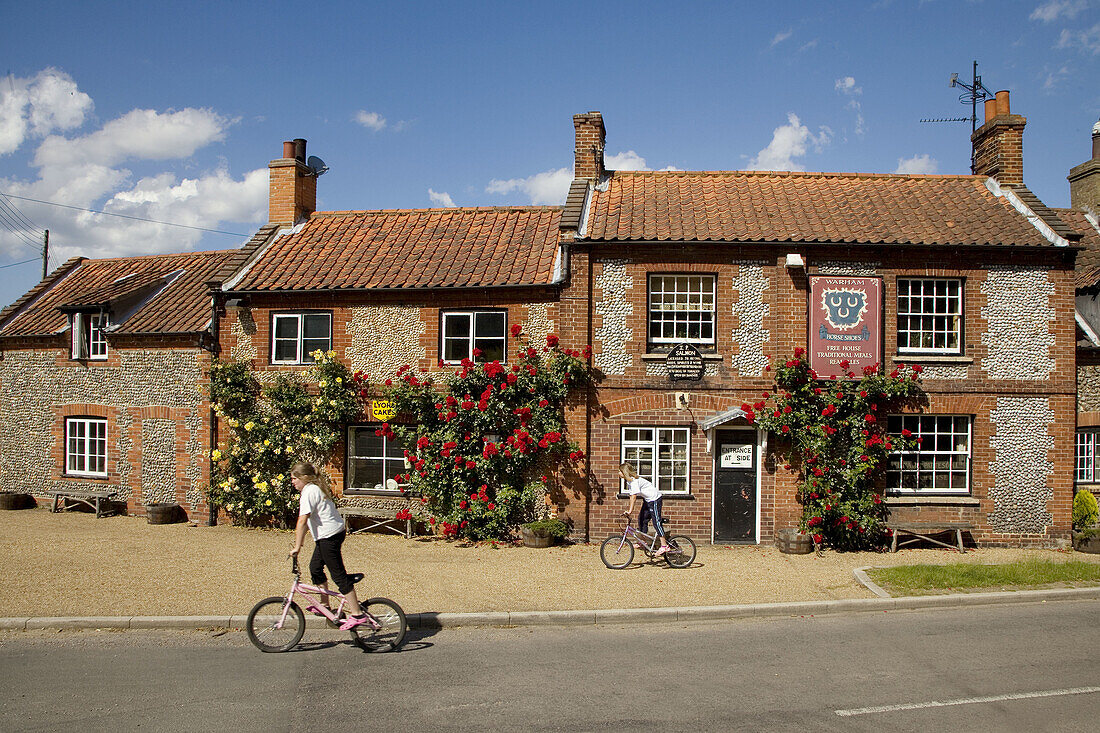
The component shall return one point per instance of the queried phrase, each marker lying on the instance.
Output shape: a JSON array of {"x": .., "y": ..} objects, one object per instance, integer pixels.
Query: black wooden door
[{"x": 735, "y": 487}]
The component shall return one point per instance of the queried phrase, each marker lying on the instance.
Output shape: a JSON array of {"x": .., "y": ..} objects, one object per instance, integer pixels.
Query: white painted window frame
[
  {"x": 391, "y": 465},
  {"x": 631, "y": 448},
  {"x": 301, "y": 354},
  {"x": 692, "y": 299},
  {"x": 471, "y": 336},
  {"x": 89, "y": 336},
  {"x": 85, "y": 443},
  {"x": 928, "y": 428},
  {"x": 944, "y": 319},
  {"x": 1085, "y": 444}
]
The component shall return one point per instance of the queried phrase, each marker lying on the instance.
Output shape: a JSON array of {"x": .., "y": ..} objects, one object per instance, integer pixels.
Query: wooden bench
[
  {"x": 378, "y": 518},
  {"x": 101, "y": 501},
  {"x": 917, "y": 531}
]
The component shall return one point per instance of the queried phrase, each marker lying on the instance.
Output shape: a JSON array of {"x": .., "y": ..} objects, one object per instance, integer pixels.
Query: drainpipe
[{"x": 215, "y": 350}]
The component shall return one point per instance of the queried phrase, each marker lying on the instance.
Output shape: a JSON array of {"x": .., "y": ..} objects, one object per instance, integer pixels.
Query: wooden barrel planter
[
  {"x": 532, "y": 538},
  {"x": 793, "y": 542},
  {"x": 164, "y": 513},
  {"x": 16, "y": 500}
]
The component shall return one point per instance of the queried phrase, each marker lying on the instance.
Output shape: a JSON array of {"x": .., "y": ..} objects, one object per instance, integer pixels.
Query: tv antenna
[{"x": 975, "y": 92}]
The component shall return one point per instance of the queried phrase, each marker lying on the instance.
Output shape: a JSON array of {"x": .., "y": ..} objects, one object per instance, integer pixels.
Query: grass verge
[{"x": 1030, "y": 573}]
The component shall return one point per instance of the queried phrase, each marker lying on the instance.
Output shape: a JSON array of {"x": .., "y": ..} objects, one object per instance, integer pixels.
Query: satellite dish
[
  {"x": 316, "y": 165},
  {"x": 391, "y": 484}
]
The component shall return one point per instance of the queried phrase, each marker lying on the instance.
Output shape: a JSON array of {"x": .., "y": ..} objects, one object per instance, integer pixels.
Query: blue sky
[{"x": 171, "y": 111}]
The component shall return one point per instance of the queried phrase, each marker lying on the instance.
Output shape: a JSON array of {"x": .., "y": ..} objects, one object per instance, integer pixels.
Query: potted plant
[
  {"x": 543, "y": 532},
  {"x": 1086, "y": 535}
]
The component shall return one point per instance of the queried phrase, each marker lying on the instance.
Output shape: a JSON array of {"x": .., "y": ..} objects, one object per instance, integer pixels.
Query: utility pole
[{"x": 45, "y": 254}]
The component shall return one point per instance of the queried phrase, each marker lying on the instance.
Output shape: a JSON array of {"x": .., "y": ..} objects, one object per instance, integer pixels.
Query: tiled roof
[
  {"x": 1087, "y": 269},
  {"x": 420, "y": 248},
  {"x": 805, "y": 207},
  {"x": 170, "y": 291}
]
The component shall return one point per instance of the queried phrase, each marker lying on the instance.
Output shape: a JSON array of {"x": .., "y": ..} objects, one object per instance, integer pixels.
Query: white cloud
[
  {"x": 1088, "y": 39},
  {"x": 548, "y": 187},
  {"x": 847, "y": 85},
  {"x": 1055, "y": 78},
  {"x": 39, "y": 105},
  {"x": 917, "y": 164},
  {"x": 86, "y": 171},
  {"x": 1054, "y": 9},
  {"x": 780, "y": 37},
  {"x": 370, "y": 120},
  {"x": 788, "y": 142},
  {"x": 441, "y": 198},
  {"x": 630, "y": 161}
]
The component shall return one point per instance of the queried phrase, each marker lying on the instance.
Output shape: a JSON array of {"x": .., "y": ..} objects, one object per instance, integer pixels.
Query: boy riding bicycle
[{"x": 651, "y": 503}]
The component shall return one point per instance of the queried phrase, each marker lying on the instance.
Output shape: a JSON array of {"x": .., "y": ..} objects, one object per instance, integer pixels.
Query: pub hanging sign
[
  {"x": 684, "y": 362},
  {"x": 845, "y": 324}
]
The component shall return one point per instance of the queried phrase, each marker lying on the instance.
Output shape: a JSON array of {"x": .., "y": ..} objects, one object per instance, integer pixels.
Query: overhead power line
[
  {"x": 124, "y": 216},
  {"x": 33, "y": 259}
]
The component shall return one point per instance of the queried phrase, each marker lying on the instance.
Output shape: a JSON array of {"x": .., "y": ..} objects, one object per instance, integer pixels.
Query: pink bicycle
[
  {"x": 617, "y": 551},
  {"x": 277, "y": 623}
]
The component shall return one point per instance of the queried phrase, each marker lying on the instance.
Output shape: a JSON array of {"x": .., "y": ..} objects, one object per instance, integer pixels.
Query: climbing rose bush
[
  {"x": 271, "y": 428},
  {"x": 834, "y": 434},
  {"x": 478, "y": 437}
]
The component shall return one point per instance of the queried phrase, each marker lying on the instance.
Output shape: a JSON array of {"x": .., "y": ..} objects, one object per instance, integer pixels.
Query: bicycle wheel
[
  {"x": 616, "y": 552},
  {"x": 391, "y": 627},
  {"x": 262, "y": 625},
  {"x": 681, "y": 552}
]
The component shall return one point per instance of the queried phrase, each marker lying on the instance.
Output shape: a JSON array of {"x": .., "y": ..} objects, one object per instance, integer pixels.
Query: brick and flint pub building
[{"x": 685, "y": 284}]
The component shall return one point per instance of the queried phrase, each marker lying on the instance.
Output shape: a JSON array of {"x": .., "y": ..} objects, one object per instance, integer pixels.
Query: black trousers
[
  {"x": 651, "y": 510},
  {"x": 326, "y": 554}
]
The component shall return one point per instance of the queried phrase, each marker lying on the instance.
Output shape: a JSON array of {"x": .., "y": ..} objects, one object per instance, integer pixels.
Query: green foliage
[
  {"x": 478, "y": 438},
  {"x": 550, "y": 527},
  {"x": 1084, "y": 509},
  {"x": 272, "y": 428},
  {"x": 834, "y": 433}
]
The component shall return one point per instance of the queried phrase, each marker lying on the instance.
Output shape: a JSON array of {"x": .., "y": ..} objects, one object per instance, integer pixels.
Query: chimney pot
[
  {"x": 990, "y": 109},
  {"x": 288, "y": 149},
  {"x": 1002, "y": 103},
  {"x": 1096, "y": 141},
  {"x": 300, "y": 147}
]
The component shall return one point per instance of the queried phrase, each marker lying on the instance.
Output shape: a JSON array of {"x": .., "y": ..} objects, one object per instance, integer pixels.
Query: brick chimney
[
  {"x": 588, "y": 148},
  {"x": 999, "y": 143},
  {"x": 1084, "y": 179},
  {"x": 293, "y": 185}
]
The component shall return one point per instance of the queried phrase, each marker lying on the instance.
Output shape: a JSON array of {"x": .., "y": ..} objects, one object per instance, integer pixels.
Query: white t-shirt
[
  {"x": 324, "y": 519},
  {"x": 643, "y": 486}
]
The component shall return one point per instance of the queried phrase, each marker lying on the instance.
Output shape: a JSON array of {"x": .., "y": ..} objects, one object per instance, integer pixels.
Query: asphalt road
[{"x": 1026, "y": 667}]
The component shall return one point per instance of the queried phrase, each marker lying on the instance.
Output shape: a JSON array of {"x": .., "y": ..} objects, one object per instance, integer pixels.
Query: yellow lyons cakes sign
[
  {"x": 845, "y": 324},
  {"x": 382, "y": 410}
]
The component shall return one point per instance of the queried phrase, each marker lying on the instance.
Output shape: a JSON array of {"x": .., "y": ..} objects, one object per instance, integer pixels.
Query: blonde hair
[
  {"x": 629, "y": 471},
  {"x": 308, "y": 473}
]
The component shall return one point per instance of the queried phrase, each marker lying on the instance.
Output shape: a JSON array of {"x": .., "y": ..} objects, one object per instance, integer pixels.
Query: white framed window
[
  {"x": 681, "y": 309},
  {"x": 1084, "y": 455},
  {"x": 89, "y": 337},
  {"x": 660, "y": 455},
  {"x": 463, "y": 332},
  {"x": 295, "y": 336},
  {"x": 373, "y": 460},
  {"x": 930, "y": 315},
  {"x": 939, "y": 464},
  {"x": 86, "y": 446}
]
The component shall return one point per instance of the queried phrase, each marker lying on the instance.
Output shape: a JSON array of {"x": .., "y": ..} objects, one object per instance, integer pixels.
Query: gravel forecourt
[{"x": 72, "y": 564}]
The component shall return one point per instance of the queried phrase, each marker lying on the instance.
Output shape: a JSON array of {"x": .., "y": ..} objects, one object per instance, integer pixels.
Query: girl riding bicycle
[
  {"x": 318, "y": 512},
  {"x": 651, "y": 503}
]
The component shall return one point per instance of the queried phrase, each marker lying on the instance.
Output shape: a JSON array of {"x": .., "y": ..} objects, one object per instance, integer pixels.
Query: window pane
[
  {"x": 456, "y": 325},
  {"x": 316, "y": 326},
  {"x": 489, "y": 325},
  {"x": 286, "y": 327},
  {"x": 286, "y": 350}
]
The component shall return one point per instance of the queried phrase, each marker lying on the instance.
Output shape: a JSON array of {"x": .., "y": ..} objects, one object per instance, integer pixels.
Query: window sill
[
  {"x": 661, "y": 356},
  {"x": 937, "y": 500},
  {"x": 931, "y": 359},
  {"x": 675, "y": 497}
]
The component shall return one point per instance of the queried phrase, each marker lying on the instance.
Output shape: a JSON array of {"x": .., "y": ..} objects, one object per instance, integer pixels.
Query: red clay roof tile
[
  {"x": 750, "y": 206},
  {"x": 421, "y": 248}
]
